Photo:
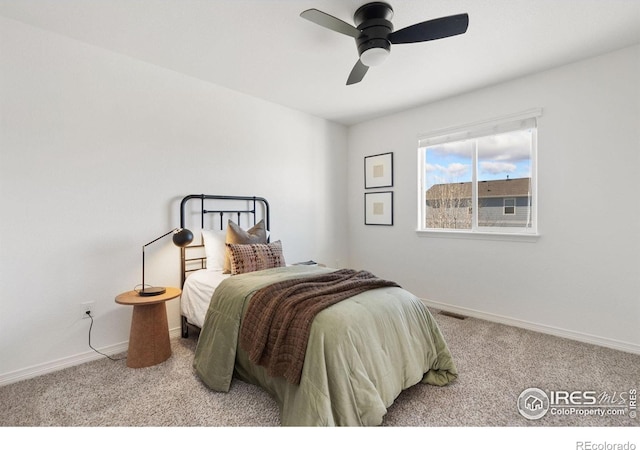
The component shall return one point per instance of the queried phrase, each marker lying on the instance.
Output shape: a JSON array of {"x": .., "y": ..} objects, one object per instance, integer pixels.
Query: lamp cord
[{"x": 97, "y": 351}]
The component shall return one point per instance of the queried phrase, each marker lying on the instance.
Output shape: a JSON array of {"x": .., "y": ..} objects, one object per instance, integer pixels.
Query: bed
[{"x": 361, "y": 348}]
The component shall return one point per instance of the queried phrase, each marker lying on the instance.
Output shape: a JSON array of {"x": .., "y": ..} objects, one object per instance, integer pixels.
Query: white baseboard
[
  {"x": 70, "y": 361},
  {"x": 559, "y": 332}
]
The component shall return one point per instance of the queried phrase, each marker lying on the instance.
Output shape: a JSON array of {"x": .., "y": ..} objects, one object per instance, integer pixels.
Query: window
[
  {"x": 480, "y": 178},
  {"x": 509, "y": 206}
]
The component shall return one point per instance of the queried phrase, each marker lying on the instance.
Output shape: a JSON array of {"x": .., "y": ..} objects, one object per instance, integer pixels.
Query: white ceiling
[{"x": 264, "y": 49}]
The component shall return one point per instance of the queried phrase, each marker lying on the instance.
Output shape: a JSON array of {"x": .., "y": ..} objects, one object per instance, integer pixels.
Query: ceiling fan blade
[
  {"x": 431, "y": 29},
  {"x": 357, "y": 73},
  {"x": 330, "y": 22}
]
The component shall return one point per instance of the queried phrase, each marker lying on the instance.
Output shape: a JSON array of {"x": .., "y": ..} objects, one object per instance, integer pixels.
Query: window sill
[{"x": 483, "y": 235}]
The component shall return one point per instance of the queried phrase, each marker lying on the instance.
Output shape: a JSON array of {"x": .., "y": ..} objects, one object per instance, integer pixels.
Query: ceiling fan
[{"x": 374, "y": 32}]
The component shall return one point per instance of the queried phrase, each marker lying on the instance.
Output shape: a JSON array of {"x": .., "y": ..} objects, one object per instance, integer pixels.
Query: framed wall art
[
  {"x": 378, "y": 171},
  {"x": 378, "y": 208}
]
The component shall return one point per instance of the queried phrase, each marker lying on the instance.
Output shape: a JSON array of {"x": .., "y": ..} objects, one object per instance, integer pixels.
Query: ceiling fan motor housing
[{"x": 374, "y": 21}]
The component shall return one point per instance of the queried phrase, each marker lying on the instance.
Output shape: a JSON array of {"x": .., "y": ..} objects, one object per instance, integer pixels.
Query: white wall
[
  {"x": 582, "y": 277},
  {"x": 97, "y": 150}
]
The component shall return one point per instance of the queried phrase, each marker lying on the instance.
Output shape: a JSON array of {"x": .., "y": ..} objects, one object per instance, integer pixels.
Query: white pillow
[{"x": 214, "y": 248}]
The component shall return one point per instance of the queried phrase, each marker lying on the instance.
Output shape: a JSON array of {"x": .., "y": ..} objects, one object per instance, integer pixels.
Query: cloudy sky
[{"x": 499, "y": 156}]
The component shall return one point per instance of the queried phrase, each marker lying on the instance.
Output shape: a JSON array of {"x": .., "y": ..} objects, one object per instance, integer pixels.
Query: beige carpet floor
[{"x": 496, "y": 363}]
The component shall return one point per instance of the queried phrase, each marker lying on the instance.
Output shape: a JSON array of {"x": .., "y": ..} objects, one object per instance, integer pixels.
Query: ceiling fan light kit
[
  {"x": 374, "y": 22},
  {"x": 374, "y": 33},
  {"x": 374, "y": 56}
]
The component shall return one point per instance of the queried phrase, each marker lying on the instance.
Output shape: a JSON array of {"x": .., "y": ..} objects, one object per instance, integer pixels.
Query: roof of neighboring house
[{"x": 510, "y": 187}]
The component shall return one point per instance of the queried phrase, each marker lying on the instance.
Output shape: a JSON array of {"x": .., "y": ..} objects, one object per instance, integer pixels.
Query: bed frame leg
[{"x": 185, "y": 327}]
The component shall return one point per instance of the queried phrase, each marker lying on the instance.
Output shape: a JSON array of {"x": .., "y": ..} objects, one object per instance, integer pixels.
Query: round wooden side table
[{"x": 149, "y": 337}]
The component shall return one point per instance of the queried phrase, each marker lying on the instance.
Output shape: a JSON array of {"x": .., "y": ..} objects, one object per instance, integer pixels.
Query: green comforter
[{"x": 362, "y": 352}]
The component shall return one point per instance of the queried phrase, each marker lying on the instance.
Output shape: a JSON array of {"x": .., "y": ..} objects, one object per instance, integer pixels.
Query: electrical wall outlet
[{"x": 84, "y": 307}]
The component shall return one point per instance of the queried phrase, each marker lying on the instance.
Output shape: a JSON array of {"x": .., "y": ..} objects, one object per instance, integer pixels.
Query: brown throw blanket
[{"x": 276, "y": 326}]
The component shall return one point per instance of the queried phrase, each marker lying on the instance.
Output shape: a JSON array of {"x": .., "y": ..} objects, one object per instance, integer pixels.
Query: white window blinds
[{"x": 513, "y": 122}]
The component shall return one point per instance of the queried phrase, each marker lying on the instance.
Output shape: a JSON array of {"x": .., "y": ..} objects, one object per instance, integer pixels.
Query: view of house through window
[{"x": 480, "y": 180}]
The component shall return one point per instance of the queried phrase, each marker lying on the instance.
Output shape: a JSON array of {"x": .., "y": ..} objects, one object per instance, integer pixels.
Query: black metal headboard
[{"x": 223, "y": 206}]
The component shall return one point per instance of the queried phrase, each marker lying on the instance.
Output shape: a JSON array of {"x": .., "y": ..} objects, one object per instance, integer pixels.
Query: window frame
[{"x": 517, "y": 121}]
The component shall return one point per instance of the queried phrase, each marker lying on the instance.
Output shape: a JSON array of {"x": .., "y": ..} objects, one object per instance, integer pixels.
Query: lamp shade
[{"x": 182, "y": 237}]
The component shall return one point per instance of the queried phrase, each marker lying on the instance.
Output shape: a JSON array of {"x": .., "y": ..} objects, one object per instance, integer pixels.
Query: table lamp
[{"x": 181, "y": 237}]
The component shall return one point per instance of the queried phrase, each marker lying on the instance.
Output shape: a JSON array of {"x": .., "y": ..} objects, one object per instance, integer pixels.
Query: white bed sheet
[{"x": 196, "y": 294}]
